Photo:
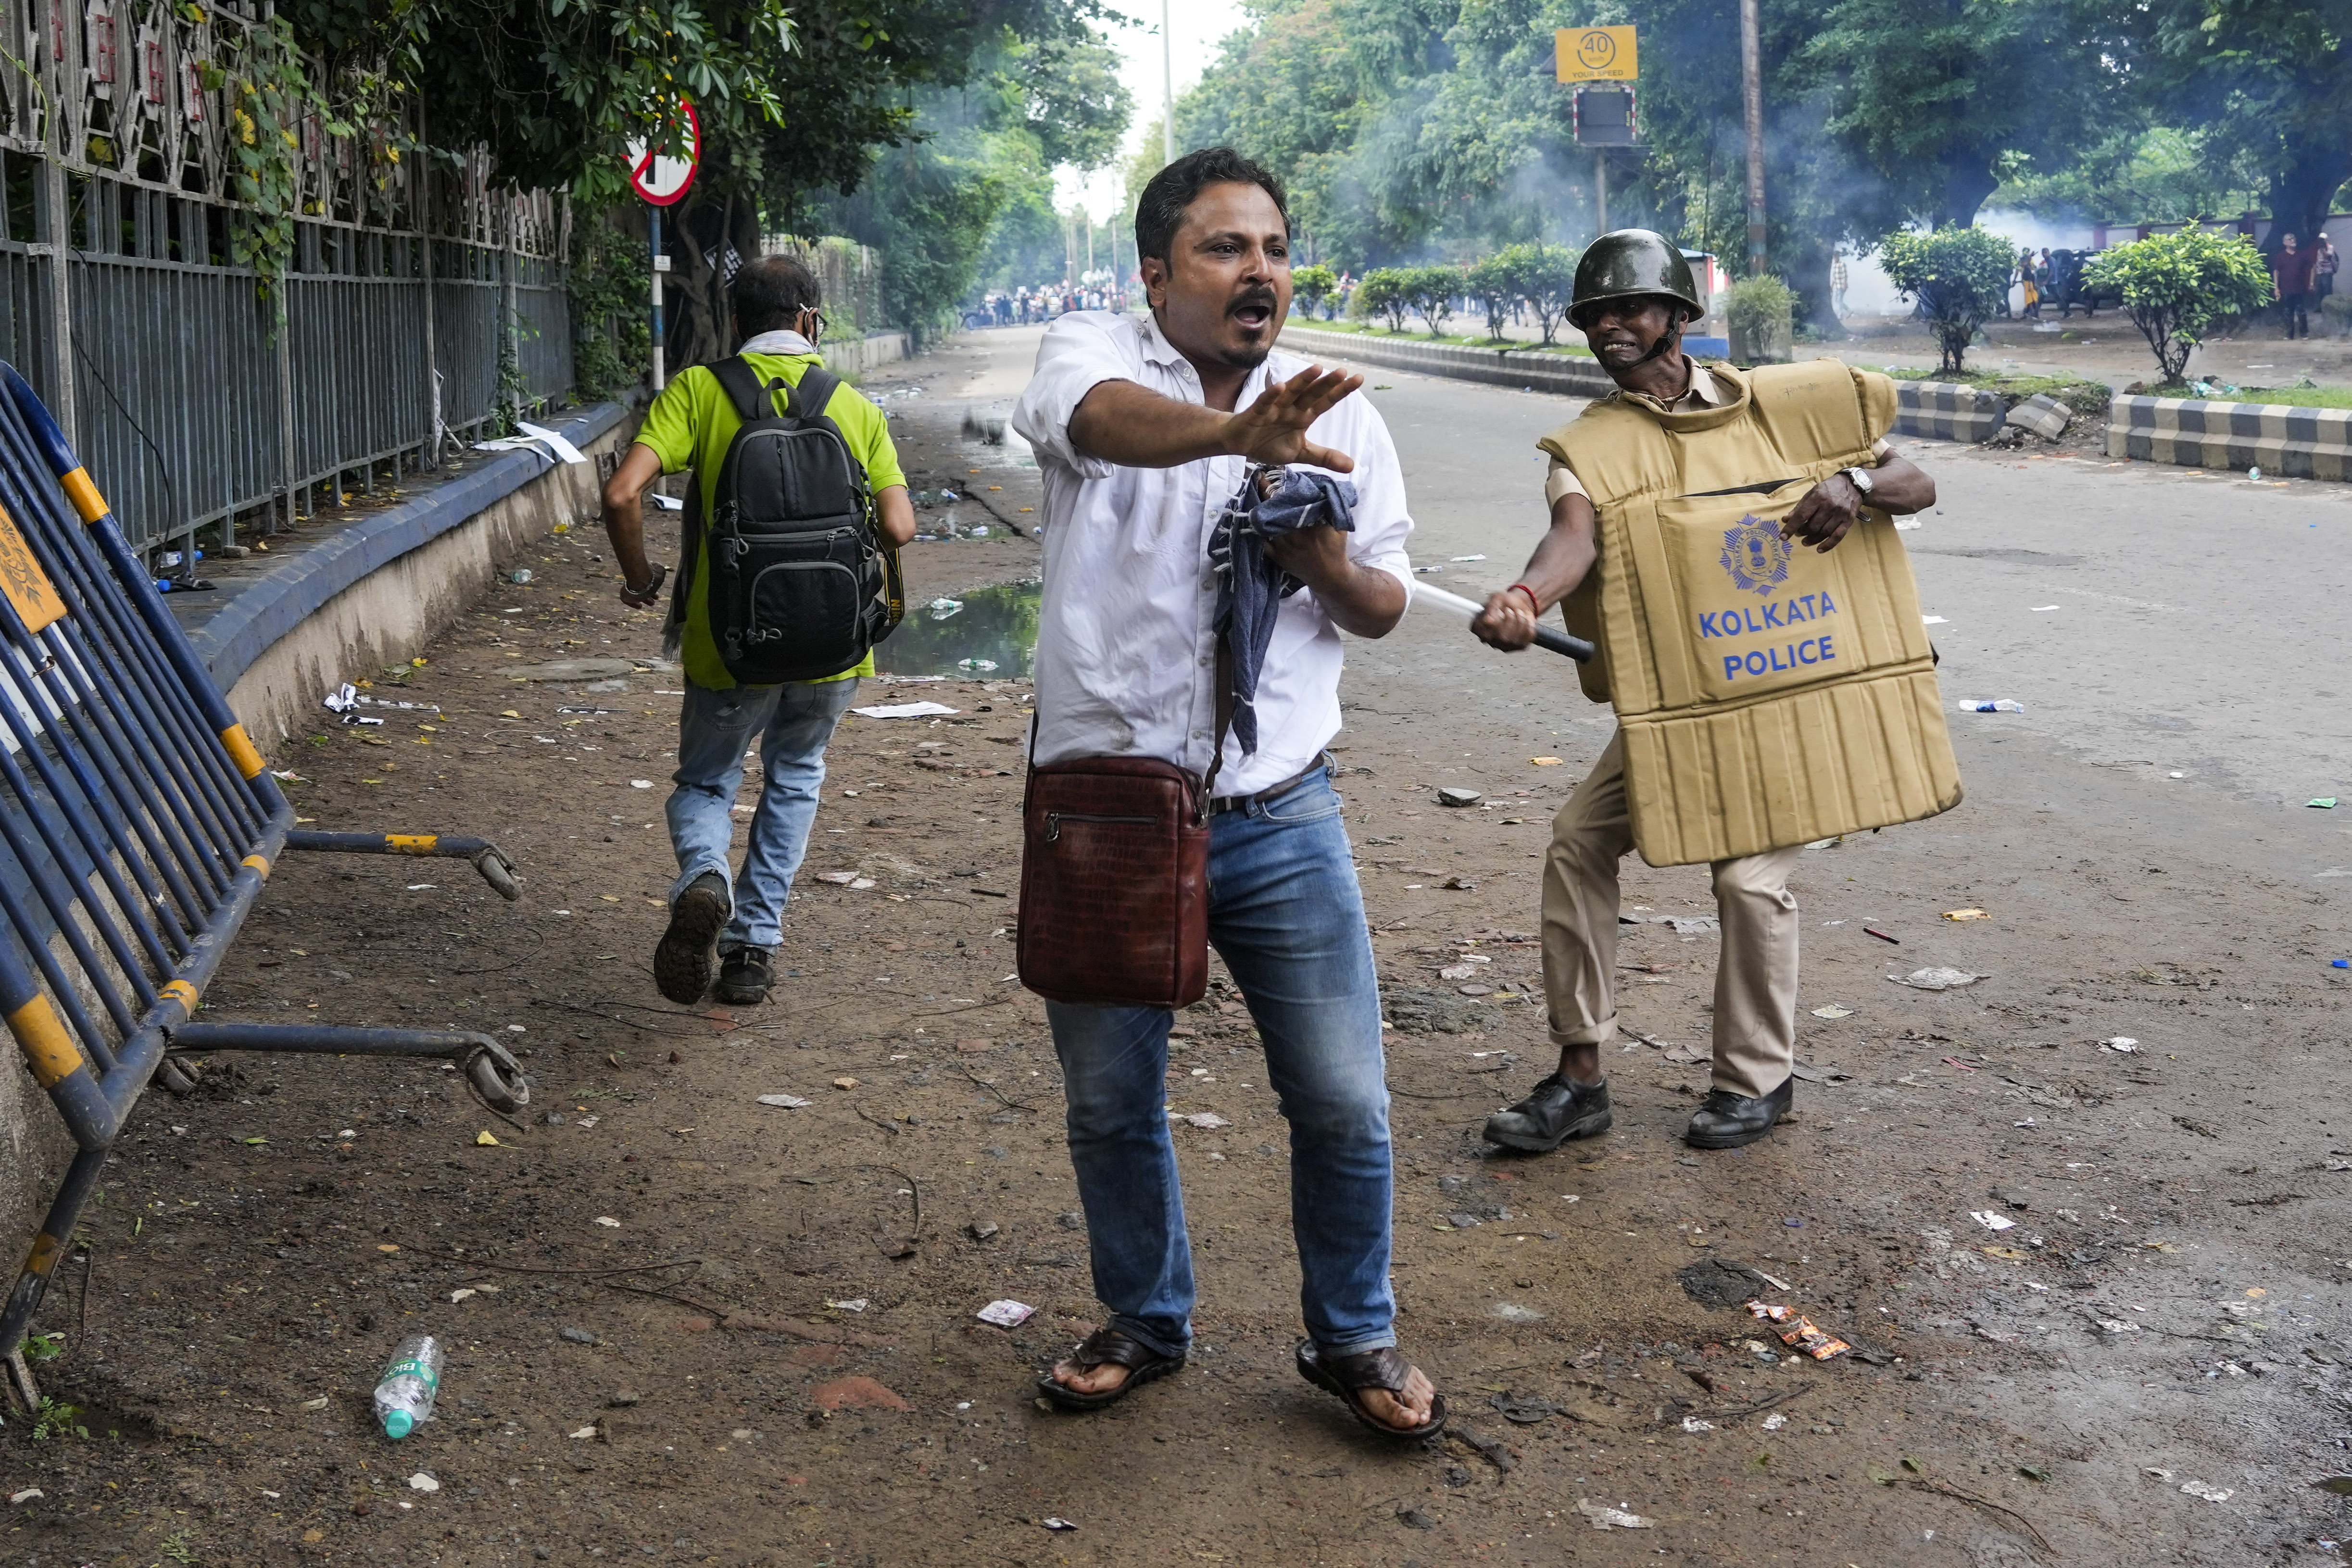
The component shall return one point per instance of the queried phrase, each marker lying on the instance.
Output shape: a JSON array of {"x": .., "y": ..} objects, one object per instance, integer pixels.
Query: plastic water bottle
[{"x": 412, "y": 1378}]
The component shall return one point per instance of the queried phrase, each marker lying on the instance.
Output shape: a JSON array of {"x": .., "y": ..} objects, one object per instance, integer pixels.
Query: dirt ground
[{"x": 687, "y": 1327}]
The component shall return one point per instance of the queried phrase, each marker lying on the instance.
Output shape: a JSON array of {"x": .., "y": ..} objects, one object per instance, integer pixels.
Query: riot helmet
[{"x": 1628, "y": 264}]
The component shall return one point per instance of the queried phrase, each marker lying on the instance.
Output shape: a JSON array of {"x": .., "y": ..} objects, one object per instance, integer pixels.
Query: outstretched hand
[
  {"x": 1824, "y": 514},
  {"x": 1273, "y": 429}
]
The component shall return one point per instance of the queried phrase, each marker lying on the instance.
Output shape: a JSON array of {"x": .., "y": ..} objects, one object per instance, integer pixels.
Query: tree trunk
[
  {"x": 1968, "y": 180},
  {"x": 1805, "y": 257},
  {"x": 2317, "y": 165}
]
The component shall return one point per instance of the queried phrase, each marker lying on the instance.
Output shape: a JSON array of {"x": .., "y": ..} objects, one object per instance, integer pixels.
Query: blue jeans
[
  {"x": 1285, "y": 916},
  {"x": 792, "y": 723}
]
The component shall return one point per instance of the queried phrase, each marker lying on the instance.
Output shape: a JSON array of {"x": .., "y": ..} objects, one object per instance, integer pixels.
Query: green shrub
[
  {"x": 1759, "y": 313},
  {"x": 1433, "y": 291},
  {"x": 1311, "y": 285},
  {"x": 2177, "y": 287},
  {"x": 1960, "y": 276},
  {"x": 1383, "y": 291},
  {"x": 1544, "y": 276},
  {"x": 1488, "y": 284}
]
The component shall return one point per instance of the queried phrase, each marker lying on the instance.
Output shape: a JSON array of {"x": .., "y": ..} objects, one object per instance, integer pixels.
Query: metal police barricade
[{"x": 137, "y": 826}]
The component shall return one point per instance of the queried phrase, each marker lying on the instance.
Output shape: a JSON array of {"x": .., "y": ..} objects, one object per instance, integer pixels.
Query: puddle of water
[{"x": 996, "y": 625}]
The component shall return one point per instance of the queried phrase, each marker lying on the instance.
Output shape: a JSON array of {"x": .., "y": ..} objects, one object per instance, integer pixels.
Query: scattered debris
[
  {"x": 906, "y": 710},
  {"x": 1492, "y": 1450},
  {"x": 2207, "y": 1490},
  {"x": 1991, "y": 1221},
  {"x": 1937, "y": 979},
  {"x": 1454, "y": 796},
  {"x": 783, "y": 1102},
  {"x": 1693, "y": 1423},
  {"x": 1524, "y": 1411},
  {"x": 1005, "y": 1314},
  {"x": 1775, "y": 1421},
  {"x": 420, "y": 1481},
  {"x": 1057, "y": 1524},
  {"x": 857, "y": 1393},
  {"x": 1881, "y": 936},
  {"x": 1833, "y": 1011},
  {"x": 2122, "y": 1042},
  {"x": 2000, "y": 704},
  {"x": 2192, "y": 1125},
  {"x": 1603, "y": 1517},
  {"x": 1966, "y": 914},
  {"x": 851, "y": 1304},
  {"x": 27, "y": 1495},
  {"x": 2324, "y": 803},
  {"x": 943, "y": 608}
]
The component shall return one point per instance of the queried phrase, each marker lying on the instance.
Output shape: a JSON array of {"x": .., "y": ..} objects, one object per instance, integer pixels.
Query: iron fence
[{"x": 421, "y": 301}]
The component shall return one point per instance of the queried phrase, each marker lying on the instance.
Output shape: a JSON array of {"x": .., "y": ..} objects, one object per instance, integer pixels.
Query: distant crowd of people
[{"x": 1026, "y": 307}]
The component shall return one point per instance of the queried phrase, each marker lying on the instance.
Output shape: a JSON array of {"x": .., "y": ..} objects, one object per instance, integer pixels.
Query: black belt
[{"x": 1272, "y": 791}]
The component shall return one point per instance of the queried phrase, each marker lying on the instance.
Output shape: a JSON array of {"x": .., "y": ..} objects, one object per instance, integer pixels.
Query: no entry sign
[{"x": 664, "y": 180}]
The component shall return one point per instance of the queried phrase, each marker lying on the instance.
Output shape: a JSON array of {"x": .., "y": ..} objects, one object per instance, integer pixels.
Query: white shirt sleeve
[
  {"x": 1383, "y": 524},
  {"x": 1079, "y": 352}
]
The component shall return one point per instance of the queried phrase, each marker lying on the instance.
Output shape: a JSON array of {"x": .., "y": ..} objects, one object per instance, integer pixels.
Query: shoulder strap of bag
[
  {"x": 815, "y": 392},
  {"x": 741, "y": 385}
]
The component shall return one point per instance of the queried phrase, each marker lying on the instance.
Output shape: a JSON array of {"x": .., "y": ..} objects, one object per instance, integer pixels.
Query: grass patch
[
  {"x": 2082, "y": 396},
  {"x": 2296, "y": 397},
  {"x": 1463, "y": 341}
]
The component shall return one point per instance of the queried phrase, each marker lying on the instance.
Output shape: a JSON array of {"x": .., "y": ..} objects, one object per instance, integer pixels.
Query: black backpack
[{"x": 801, "y": 584}]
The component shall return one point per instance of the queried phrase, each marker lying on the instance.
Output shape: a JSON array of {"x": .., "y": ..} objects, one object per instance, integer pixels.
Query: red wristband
[{"x": 1533, "y": 601}]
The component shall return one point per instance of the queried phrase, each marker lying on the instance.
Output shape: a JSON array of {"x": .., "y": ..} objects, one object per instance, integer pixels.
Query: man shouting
[{"x": 1144, "y": 427}]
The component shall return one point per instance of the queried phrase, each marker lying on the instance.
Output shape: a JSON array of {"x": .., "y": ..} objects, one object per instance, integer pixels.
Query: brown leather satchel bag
[{"x": 1115, "y": 883}]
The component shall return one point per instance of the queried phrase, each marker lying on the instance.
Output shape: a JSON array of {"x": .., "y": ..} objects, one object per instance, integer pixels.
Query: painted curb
[
  {"x": 2284, "y": 439},
  {"x": 1564, "y": 373},
  {"x": 1947, "y": 411},
  {"x": 239, "y": 631}
]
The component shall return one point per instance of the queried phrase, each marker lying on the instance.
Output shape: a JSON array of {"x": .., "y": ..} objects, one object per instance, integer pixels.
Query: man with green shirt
[{"x": 738, "y": 920}]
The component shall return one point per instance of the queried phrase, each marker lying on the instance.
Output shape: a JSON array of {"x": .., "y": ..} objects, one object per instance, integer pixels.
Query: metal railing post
[
  {"x": 59, "y": 225},
  {"x": 511, "y": 324}
]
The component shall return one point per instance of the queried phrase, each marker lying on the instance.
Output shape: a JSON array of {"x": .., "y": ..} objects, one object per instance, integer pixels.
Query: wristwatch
[{"x": 1861, "y": 478}]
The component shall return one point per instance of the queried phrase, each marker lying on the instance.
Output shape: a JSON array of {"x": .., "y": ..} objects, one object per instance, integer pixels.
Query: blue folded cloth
[{"x": 1250, "y": 586}]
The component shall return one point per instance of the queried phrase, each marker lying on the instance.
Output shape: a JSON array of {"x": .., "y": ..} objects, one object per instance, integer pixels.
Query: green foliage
[
  {"x": 929, "y": 214},
  {"x": 2265, "y": 82},
  {"x": 180, "y": 1546},
  {"x": 1383, "y": 291},
  {"x": 57, "y": 1420},
  {"x": 41, "y": 1349},
  {"x": 1544, "y": 276},
  {"x": 1432, "y": 290},
  {"x": 1761, "y": 315},
  {"x": 1489, "y": 283},
  {"x": 1930, "y": 95},
  {"x": 1960, "y": 276},
  {"x": 611, "y": 284},
  {"x": 1311, "y": 285},
  {"x": 2176, "y": 287},
  {"x": 2155, "y": 174}
]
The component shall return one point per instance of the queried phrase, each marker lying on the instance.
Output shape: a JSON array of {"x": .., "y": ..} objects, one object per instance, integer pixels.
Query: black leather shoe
[
  {"x": 1559, "y": 1109},
  {"x": 1726, "y": 1121}
]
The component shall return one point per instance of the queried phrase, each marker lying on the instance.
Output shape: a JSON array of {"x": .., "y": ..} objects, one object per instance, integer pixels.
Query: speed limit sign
[{"x": 663, "y": 180}]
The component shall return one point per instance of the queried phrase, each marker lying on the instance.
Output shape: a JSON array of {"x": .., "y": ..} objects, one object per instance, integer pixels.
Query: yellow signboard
[
  {"x": 27, "y": 586},
  {"x": 1594, "y": 54}
]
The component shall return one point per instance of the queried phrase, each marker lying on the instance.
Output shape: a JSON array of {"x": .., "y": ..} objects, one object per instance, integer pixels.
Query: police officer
[{"x": 1634, "y": 295}]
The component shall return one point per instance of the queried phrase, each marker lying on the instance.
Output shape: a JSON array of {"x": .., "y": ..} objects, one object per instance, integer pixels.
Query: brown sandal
[
  {"x": 1344, "y": 1375},
  {"x": 1109, "y": 1347}
]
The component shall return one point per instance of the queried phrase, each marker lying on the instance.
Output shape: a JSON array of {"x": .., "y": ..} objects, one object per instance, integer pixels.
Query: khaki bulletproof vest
[{"x": 1769, "y": 694}]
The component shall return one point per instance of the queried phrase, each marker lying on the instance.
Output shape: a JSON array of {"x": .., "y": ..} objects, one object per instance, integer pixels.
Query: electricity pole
[
  {"x": 1167, "y": 88},
  {"x": 1751, "y": 70}
]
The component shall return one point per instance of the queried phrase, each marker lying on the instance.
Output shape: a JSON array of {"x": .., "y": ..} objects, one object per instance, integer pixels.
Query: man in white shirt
[{"x": 1143, "y": 428}]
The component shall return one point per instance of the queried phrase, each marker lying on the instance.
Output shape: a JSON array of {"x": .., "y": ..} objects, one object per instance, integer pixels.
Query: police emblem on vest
[{"x": 1755, "y": 555}]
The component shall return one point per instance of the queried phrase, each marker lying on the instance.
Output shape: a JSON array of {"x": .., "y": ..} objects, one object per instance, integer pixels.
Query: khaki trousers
[{"x": 1755, "y": 981}]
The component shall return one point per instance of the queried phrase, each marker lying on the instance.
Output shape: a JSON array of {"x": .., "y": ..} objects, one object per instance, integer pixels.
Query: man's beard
[{"x": 1246, "y": 358}]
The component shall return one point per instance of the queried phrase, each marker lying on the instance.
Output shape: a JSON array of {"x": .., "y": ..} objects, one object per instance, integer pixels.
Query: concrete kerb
[
  {"x": 1564, "y": 373},
  {"x": 1946, "y": 411},
  {"x": 382, "y": 589},
  {"x": 2284, "y": 439}
]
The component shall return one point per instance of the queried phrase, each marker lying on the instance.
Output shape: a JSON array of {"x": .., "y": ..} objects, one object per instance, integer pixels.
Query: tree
[
  {"x": 1383, "y": 291},
  {"x": 1544, "y": 276},
  {"x": 1432, "y": 290},
  {"x": 2267, "y": 80},
  {"x": 1960, "y": 276},
  {"x": 1491, "y": 283},
  {"x": 2176, "y": 287},
  {"x": 1931, "y": 95},
  {"x": 1311, "y": 285}
]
